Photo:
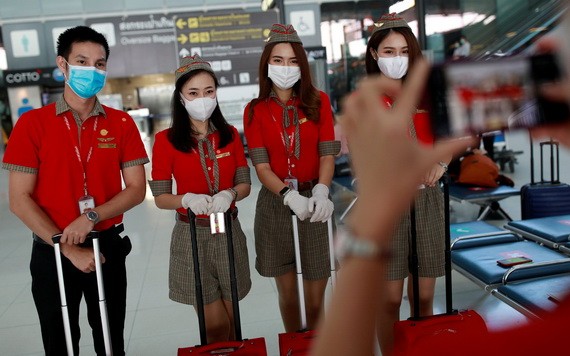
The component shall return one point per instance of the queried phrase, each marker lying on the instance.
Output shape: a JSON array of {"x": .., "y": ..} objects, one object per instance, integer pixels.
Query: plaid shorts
[
  {"x": 214, "y": 264},
  {"x": 274, "y": 247},
  {"x": 430, "y": 230}
]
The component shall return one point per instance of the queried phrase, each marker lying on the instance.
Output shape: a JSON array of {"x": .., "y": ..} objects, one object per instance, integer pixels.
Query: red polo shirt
[
  {"x": 186, "y": 169},
  {"x": 265, "y": 131},
  {"x": 42, "y": 143}
]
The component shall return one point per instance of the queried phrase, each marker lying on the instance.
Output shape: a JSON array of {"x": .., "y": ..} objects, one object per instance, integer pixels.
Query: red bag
[
  {"x": 296, "y": 343},
  {"x": 245, "y": 347},
  {"x": 444, "y": 334}
]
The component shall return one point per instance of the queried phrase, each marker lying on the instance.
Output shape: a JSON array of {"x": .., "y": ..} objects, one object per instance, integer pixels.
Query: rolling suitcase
[
  {"x": 241, "y": 346},
  {"x": 299, "y": 342},
  {"x": 547, "y": 197},
  {"x": 100, "y": 288},
  {"x": 452, "y": 330}
]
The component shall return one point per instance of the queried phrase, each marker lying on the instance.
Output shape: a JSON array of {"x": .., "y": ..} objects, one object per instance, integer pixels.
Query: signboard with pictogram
[
  {"x": 139, "y": 44},
  {"x": 231, "y": 41}
]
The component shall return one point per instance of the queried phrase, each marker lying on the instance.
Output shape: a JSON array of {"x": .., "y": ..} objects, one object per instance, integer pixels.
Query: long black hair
[{"x": 182, "y": 132}]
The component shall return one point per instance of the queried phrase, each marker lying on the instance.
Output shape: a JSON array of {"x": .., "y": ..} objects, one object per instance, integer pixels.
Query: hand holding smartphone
[{"x": 473, "y": 97}]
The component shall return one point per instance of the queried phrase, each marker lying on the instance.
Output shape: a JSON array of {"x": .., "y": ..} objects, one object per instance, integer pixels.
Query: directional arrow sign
[
  {"x": 180, "y": 23},
  {"x": 182, "y": 38}
]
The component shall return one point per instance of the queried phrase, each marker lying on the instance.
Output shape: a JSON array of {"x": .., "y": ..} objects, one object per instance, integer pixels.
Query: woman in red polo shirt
[
  {"x": 205, "y": 156},
  {"x": 392, "y": 49},
  {"x": 290, "y": 136}
]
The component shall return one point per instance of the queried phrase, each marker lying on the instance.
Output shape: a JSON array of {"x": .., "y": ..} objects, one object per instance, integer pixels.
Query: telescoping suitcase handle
[
  {"x": 414, "y": 255},
  {"x": 100, "y": 288},
  {"x": 198, "y": 282},
  {"x": 554, "y": 162},
  {"x": 299, "y": 267}
]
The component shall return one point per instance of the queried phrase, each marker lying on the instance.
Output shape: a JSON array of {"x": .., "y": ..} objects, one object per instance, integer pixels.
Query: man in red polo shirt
[{"x": 68, "y": 162}]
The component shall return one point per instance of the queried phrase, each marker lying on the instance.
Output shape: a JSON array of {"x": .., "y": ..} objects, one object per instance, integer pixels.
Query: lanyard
[
  {"x": 75, "y": 140},
  {"x": 215, "y": 186},
  {"x": 287, "y": 140}
]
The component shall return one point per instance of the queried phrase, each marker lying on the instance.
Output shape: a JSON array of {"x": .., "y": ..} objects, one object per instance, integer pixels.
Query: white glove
[
  {"x": 320, "y": 204},
  {"x": 221, "y": 202},
  {"x": 298, "y": 203},
  {"x": 198, "y": 203}
]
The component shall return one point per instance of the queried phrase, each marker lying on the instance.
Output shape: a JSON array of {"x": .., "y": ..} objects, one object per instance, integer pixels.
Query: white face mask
[
  {"x": 284, "y": 77},
  {"x": 393, "y": 67},
  {"x": 200, "y": 108}
]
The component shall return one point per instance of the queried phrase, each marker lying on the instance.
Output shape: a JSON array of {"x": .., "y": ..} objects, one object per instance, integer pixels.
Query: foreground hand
[
  {"x": 221, "y": 202},
  {"x": 320, "y": 204},
  {"x": 388, "y": 179},
  {"x": 298, "y": 203},
  {"x": 198, "y": 203},
  {"x": 82, "y": 258}
]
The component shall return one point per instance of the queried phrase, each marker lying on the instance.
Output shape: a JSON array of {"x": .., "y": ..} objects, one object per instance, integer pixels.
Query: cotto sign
[
  {"x": 23, "y": 77},
  {"x": 50, "y": 76}
]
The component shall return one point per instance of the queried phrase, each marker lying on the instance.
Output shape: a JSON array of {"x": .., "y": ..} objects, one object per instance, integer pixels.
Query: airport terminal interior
[{"x": 156, "y": 325}]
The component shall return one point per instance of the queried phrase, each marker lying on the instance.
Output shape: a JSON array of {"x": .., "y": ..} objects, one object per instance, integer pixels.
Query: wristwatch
[
  {"x": 348, "y": 246},
  {"x": 92, "y": 215}
]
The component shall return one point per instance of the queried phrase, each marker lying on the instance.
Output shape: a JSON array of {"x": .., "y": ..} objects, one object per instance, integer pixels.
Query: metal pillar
[{"x": 421, "y": 15}]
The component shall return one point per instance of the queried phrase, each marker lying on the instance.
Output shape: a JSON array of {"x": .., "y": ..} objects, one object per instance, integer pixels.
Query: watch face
[{"x": 92, "y": 215}]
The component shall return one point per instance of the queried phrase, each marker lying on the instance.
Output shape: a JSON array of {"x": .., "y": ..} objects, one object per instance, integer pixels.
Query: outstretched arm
[{"x": 387, "y": 182}]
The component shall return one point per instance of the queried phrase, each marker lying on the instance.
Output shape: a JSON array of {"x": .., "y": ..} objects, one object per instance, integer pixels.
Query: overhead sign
[
  {"x": 25, "y": 43},
  {"x": 304, "y": 22},
  {"x": 50, "y": 76},
  {"x": 139, "y": 45},
  {"x": 231, "y": 41},
  {"x": 314, "y": 53}
]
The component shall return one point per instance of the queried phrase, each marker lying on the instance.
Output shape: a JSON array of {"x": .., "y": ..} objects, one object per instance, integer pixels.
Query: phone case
[{"x": 509, "y": 262}]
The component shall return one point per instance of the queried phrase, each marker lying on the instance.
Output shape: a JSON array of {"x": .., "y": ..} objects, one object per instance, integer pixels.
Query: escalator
[{"x": 515, "y": 29}]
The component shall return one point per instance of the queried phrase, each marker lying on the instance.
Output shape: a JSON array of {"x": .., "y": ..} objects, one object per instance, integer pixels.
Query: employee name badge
[
  {"x": 86, "y": 202},
  {"x": 292, "y": 183},
  {"x": 217, "y": 223}
]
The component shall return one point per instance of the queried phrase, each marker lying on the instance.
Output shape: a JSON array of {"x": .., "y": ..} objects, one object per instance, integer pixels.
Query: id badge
[
  {"x": 86, "y": 202},
  {"x": 292, "y": 183},
  {"x": 217, "y": 223}
]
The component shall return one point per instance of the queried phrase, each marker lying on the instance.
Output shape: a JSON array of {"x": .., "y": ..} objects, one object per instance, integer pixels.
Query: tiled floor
[{"x": 156, "y": 325}]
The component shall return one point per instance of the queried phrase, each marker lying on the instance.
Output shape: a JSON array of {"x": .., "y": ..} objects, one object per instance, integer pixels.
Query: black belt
[
  {"x": 112, "y": 231},
  {"x": 202, "y": 222},
  {"x": 304, "y": 186}
]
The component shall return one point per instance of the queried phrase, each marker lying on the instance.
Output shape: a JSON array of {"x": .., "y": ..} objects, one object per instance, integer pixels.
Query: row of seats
[{"x": 532, "y": 288}]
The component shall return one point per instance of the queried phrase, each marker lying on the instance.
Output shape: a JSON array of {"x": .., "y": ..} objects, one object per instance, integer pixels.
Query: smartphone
[
  {"x": 513, "y": 261},
  {"x": 474, "y": 97}
]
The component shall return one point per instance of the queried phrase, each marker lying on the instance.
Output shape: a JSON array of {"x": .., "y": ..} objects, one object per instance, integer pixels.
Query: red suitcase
[
  {"x": 299, "y": 342},
  {"x": 443, "y": 334},
  {"x": 251, "y": 347}
]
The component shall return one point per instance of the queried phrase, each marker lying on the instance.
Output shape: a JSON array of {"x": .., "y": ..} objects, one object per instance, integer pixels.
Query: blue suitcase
[{"x": 547, "y": 197}]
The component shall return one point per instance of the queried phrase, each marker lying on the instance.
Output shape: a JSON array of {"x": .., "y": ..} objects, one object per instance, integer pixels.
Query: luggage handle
[
  {"x": 414, "y": 255},
  {"x": 222, "y": 348},
  {"x": 554, "y": 164},
  {"x": 100, "y": 289},
  {"x": 299, "y": 272},
  {"x": 198, "y": 280}
]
